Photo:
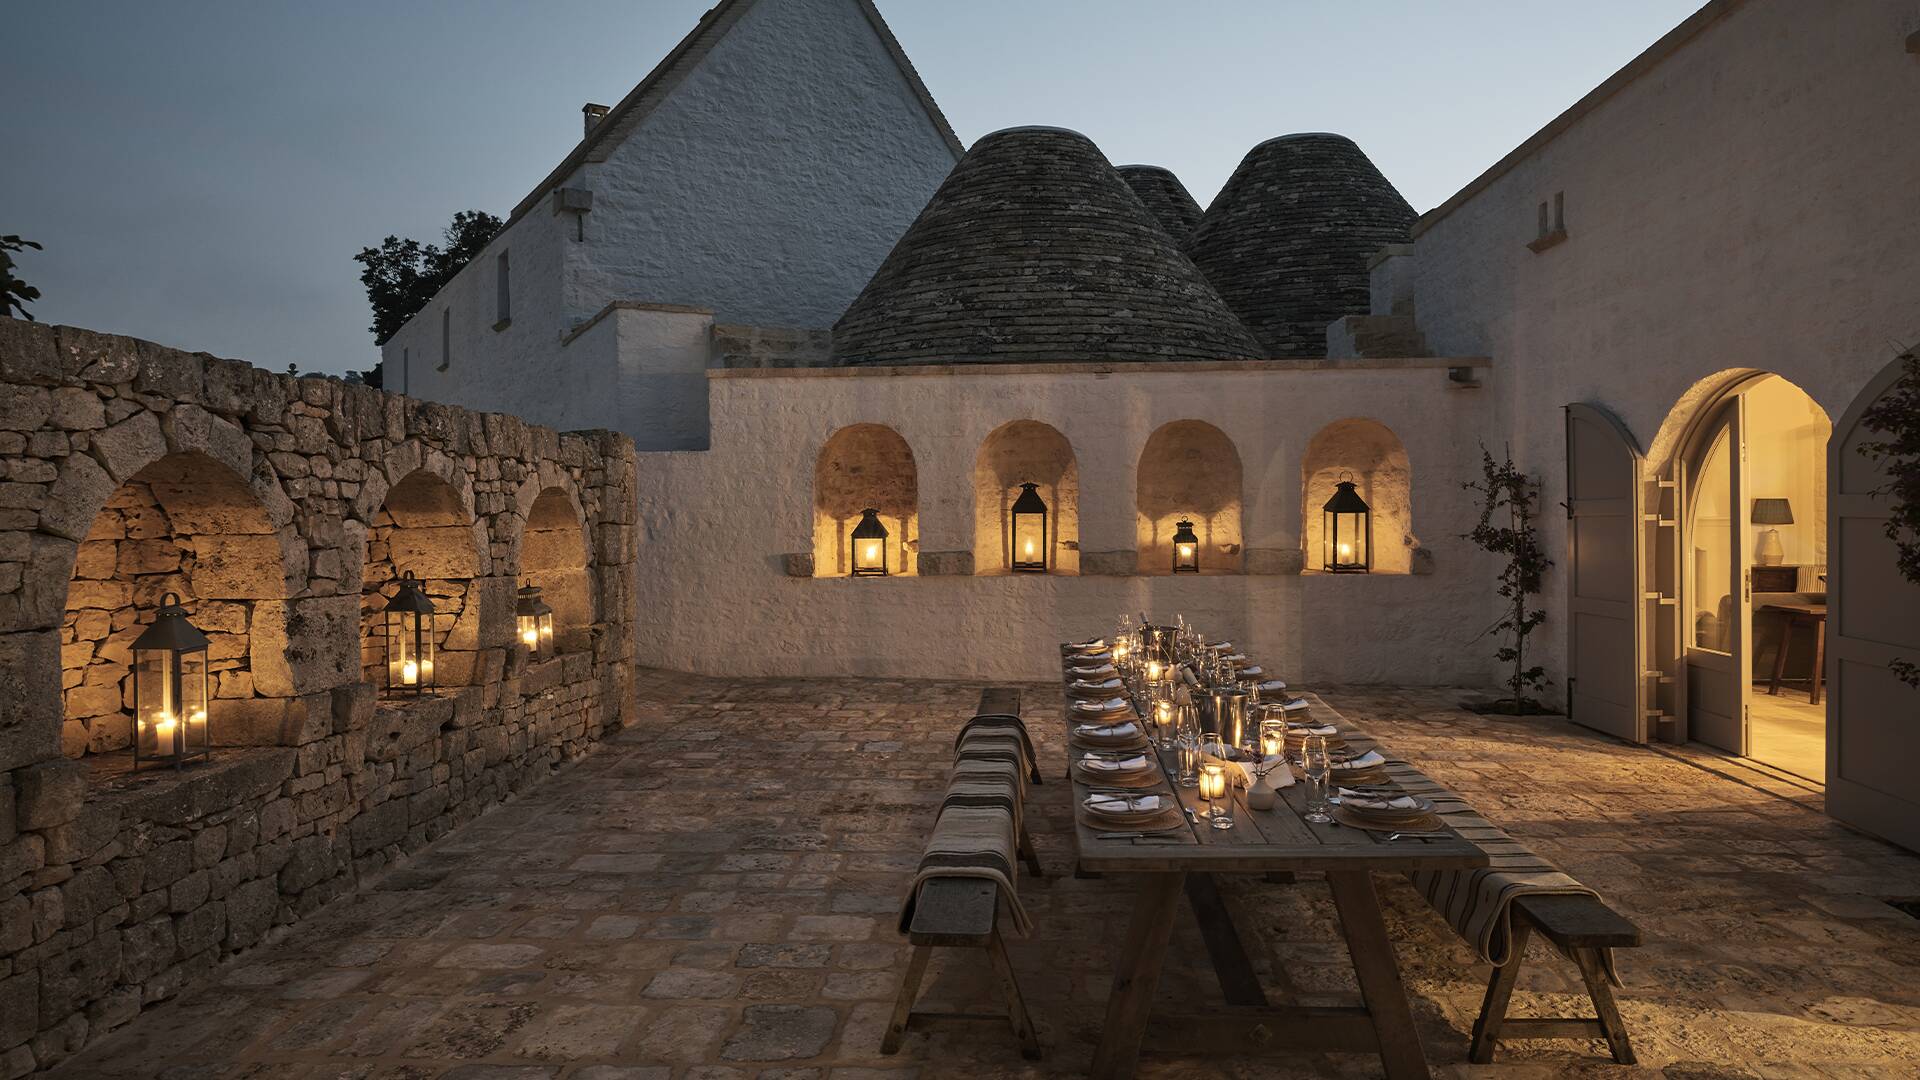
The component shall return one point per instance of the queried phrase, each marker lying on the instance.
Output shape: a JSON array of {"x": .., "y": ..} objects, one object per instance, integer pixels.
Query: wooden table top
[
  {"x": 1268, "y": 840},
  {"x": 1817, "y": 610}
]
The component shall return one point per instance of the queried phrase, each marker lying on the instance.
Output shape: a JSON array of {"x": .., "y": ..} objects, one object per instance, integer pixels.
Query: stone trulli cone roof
[
  {"x": 1035, "y": 250},
  {"x": 1163, "y": 193},
  {"x": 1286, "y": 242}
]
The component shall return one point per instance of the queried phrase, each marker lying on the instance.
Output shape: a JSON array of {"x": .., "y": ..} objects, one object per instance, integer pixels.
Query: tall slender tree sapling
[{"x": 1506, "y": 528}]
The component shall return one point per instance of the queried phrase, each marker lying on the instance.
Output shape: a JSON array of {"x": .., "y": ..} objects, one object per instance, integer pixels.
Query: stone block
[
  {"x": 169, "y": 373},
  {"x": 167, "y": 864},
  {"x": 309, "y": 863},
  {"x": 1275, "y": 561},
  {"x": 78, "y": 495},
  {"x": 19, "y": 1003},
  {"x": 70, "y": 979},
  {"x": 353, "y": 706},
  {"x": 323, "y": 642},
  {"x": 200, "y": 929},
  {"x": 1109, "y": 563},
  {"x": 378, "y": 827},
  {"x": 77, "y": 409},
  {"x": 84, "y": 837},
  {"x": 945, "y": 563},
  {"x": 24, "y": 408},
  {"x": 240, "y": 567},
  {"x": 16, "y": 925},
  {"x": 96, "y": 357},
  {"x": 130, "y": 445},
  {"x": 49, "y": 793},
  {"x": 250, "y": 910},
  {"x": 30, "y": 706},
  {"x": 28, "y": 355}
]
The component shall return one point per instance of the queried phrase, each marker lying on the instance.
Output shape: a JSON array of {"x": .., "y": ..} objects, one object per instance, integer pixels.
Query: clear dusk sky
[{"x": 203, "y": 171}]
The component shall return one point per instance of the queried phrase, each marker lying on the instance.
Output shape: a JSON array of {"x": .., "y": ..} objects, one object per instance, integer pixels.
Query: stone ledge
[{"x": 173, "y": 797}]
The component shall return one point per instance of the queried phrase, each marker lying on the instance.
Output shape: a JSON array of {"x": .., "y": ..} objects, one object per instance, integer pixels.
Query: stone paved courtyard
[{"x": 710, "y": 896}]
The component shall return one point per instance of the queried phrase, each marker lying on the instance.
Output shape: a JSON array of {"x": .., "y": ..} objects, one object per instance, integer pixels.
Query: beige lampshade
[{"x": 1772, "y": 512}]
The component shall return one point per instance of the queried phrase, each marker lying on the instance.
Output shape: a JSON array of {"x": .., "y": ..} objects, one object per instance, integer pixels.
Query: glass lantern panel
[
  {"x": 1029, "y": 540},
  {"x": 193, "y": 700},
  {"x": 1186, "y": 555},
  {"x": 157, "y": 703},
  {"x": 546, "y": 629},
  {"x": 1350, "y": 546},
  {"x": 530, "y": 631}
]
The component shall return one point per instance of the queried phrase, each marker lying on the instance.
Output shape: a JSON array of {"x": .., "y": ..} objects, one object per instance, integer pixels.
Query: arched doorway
[{"x": 1739, "y": 569}]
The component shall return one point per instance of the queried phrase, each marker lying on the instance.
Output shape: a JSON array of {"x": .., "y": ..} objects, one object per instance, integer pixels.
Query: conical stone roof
[
  {"x": 1286, "y": 242},
  {"x": 1035, "y": 250},
  {"x": 1165, "y": 196}
]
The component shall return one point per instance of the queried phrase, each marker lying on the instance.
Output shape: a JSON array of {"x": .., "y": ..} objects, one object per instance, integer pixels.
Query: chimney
[{"x": 593, "y": 115}]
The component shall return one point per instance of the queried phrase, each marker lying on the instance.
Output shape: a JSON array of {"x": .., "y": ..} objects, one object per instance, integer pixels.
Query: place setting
[
  {"x": 1385, "y": 809},
  {"x": 1120, "y": 815}
]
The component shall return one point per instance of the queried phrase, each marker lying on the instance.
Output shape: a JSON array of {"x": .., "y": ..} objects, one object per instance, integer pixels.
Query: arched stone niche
[
  {"x": 184, "y": 524},
  {"x": 865, "y": 465},
  {"x": 1025, "y": 452},
  {"x": 553, "y": 557},
  {"x": 424, "y": 526},
  {"x": 1370, "y": 454},
  {"x": 1188, "y": 469}
]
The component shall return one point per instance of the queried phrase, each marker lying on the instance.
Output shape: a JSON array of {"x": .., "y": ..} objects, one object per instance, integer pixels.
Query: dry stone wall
[{"x": 276, "y": 507}]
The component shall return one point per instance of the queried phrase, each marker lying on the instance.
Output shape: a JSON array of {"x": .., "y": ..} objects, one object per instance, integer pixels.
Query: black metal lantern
[
  {"x": 1186, "y": 549},
  {"x": 1029, "y": 515},
  {"x": 869, "y": 545},
  {"x": 535, "y": 622},
  {"x": 1347, "y": 531},
  {"x": 170, "y": 689},
  {"x": 410, "y": 627}
]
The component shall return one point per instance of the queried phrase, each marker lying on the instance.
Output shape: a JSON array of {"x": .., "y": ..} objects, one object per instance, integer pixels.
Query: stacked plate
[
  {"x": 1123, "y": 733},
  {"x": 1117, "y": 768},
  {"x": 1297, "y": 738},
  {"x": 1364, "y": 768},
  {"x": 1128, "y": 813},
  {"x": 1095, "y": 688},
  {"x": 1386, "y": 811}
]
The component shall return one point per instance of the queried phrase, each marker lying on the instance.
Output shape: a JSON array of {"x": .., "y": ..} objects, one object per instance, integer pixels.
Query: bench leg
[
  {"x": 1016, "y": 1005},
  {"x": 1493, "y": 1008},
  {"x": 903, "y": 1005},
  {"x": 1604, "y": 1007},
  {"x": 1028, "y": 853}
]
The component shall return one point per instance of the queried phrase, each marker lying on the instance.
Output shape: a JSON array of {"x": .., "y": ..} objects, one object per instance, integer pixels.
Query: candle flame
[
  {"x": 409, "y": 672},
  {"x": 870, "y": 551}
]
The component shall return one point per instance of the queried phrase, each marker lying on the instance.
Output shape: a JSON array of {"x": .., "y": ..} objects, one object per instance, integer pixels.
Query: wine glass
[{"x": 1318, "y": 769}]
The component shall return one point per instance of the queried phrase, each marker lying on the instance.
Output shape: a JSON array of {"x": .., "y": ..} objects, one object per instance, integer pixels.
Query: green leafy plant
[
  {"x": 402, "y": 275},
  {"x": 1896, "y": 416},
  {"x": 15, "y": 294},
  {"x": 1506, "y": 528}
]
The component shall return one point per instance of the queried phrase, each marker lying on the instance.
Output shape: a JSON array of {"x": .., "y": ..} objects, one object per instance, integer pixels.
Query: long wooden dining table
[{"x": 1280, "y": 840}]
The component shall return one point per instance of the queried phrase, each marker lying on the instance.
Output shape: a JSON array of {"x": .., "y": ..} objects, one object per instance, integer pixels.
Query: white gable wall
[
  {"x": 766, "y": 187},
  {"x": 771, "y": 183}
]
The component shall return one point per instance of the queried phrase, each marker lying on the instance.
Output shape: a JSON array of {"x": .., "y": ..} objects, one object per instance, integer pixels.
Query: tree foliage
[
  {"x": 15, "y": 294},
  {"x": 1896, "y": 417},
  {"x": 1508, "y": 493},
  {"x": 402, "y": 275}
]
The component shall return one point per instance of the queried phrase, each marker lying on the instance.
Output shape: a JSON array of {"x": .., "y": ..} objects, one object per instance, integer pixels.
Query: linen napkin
[
  {"x": 1098, "y": 669},
  {"x": 1089, "y": 646},
  {"x": 1302, "y": 729},
  {"x": 1102, "y": 731},
  {"x": 1250, "y": 671},
  {"x": 1272, "y": 686},
  {"x": 1100, "y": 764},
  {"x": 1107, "y": 706},
  {"x": 1235, "y": 657},
  {"x": 1240, "y": 773},
  {"x": 1124, "y": 804},
  {"x": 1298, "y": 704},
  {"x": 1221, "y": 646},
  {"x": 1365, "y": 761},
  {"x": 1364, "y": 800},
  {"x": 1089, "y": 684}
]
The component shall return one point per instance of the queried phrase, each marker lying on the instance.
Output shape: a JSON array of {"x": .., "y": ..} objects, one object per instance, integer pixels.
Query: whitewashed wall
[
  {"x": 715, "y": 597},
  {"x": 766, "y": 188},
  {"x": 1747, "y": 202}
]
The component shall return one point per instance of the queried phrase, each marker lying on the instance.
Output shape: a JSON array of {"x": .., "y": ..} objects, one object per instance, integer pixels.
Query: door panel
[
  {"x": 1604, "y": 583},
  {"x": 1716, "y": 594},
  {"x": 1873, "y": 719}
]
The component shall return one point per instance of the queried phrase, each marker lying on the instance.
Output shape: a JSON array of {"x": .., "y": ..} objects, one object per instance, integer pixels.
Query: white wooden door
[
  {"x": 1605, "y": 590},
  {"x": 1717, "y": 600},
  {"x": 1873, "y": 719}
]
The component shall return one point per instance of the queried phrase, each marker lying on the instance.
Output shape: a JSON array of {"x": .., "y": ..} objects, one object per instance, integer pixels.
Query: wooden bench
[
  {"x": 1003, "y": 702},
  {"x": 1582, "y": 926},
  {"x": 958, "y": 913}
]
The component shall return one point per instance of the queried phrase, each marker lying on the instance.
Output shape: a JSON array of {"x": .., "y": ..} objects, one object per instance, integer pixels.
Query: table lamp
[{"x": 1768, "y": 551}]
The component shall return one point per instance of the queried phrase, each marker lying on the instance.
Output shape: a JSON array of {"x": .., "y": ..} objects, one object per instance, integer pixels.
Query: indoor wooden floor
[{"x": 1788, "y": 733}]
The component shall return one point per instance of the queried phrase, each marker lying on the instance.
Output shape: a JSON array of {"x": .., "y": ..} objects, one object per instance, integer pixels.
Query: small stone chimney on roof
[{"x": 593, "y": 114}]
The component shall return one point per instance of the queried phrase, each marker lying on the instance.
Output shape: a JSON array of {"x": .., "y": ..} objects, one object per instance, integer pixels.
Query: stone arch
[
  {"x": 1017, "y": 452},
  {"x": 188, "y": 523},
  {"x": 1188, "y": 469},
  {"x": 1372, "y": 456},
  {"x": 859, "y": 466},
  {"x": 553, "y": 554},
  {"x": 424, "y": 523}
]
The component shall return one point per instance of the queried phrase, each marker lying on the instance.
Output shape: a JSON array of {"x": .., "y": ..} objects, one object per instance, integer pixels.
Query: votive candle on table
[{"x": 1213, "y": 788}]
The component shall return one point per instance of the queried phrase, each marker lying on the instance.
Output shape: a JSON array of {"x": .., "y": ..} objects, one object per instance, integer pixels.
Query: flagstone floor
[{"x": 711, "y": 896}]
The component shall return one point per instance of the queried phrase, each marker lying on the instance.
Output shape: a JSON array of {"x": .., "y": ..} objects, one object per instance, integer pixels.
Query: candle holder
[
  {"x": 1273, "y": 748},
  {"x": 1214, "y": 789}
]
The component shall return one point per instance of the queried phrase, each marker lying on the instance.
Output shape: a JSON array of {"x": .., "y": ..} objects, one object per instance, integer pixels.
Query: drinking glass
[
  {"x": 1318, "y": 769},
  {"x": 1219, "y": 795},
  {"x": 1187, "y": 742}
]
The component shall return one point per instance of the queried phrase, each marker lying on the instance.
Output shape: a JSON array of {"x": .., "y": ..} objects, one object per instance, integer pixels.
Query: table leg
[
  {"x": 1230, "y": 964},
  {"x": 1780, "y": 655},
  {"x": 1135, "y": 975},
  {"x": 1378, "y": 973},
  {"x": 1819, "y": 660}
]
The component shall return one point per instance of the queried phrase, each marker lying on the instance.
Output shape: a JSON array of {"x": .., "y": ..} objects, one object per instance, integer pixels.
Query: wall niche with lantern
[
  {"x": 1356, "y": 501},
  {"x": 1187, "y": 501},
  {"x": 866, "y": 505},
  {"x": 1026, "y": 502}
]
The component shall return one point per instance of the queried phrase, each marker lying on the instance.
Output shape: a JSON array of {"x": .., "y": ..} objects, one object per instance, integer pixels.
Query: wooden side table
[{"x": 1794, "y": 615}]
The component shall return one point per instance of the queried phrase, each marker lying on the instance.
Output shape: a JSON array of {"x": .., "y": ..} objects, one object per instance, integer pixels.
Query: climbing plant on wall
[
  {"x": 1896, "y": 416},
  {"x": 1506, "y": 529}
]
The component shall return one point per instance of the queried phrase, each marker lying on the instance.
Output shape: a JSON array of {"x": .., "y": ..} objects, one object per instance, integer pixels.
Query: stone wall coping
[
  {"x": 630, "y": 305},
  {"x": 1175, "y": 367},
  {"x": 171, "y": 797}
]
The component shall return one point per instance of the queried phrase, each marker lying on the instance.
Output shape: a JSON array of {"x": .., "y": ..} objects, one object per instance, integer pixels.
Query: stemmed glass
[
  {"x": 1318, "y": 769},
  {"x": 1187, "y": 742}
]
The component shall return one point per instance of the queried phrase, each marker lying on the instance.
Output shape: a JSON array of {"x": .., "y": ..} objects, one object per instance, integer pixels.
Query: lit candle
[
  {"x": 1272, "y": 743},
  {"x": 1346, "y": 551},
  {"x": 409, "y": 672},
  {"x": 870, "y": 551},
  {"x": 1153, "y": 671},
  {"x": 1186, "y": 551},
  {"x": 1120, "y": 649},
  {"x": 163, "y": 728},
  {"x": 1029, "y": 549},
  {"x": 530, "y": 637}
]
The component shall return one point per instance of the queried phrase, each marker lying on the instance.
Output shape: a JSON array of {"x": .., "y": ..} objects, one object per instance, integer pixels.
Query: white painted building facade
[{"x": 760, "y": 172}]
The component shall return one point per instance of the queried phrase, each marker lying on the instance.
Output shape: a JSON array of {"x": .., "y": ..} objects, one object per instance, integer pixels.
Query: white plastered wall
[
  {"x": 1745, "y": 203},
  {"x": 715, "y": 595}
]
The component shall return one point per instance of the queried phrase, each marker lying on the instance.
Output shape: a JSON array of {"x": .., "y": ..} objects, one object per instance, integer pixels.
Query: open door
[
  {"x": 1716, "y": 597},
  {"x": 1604, "y": 580},
  {"x": 1873, "y": 719}
]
